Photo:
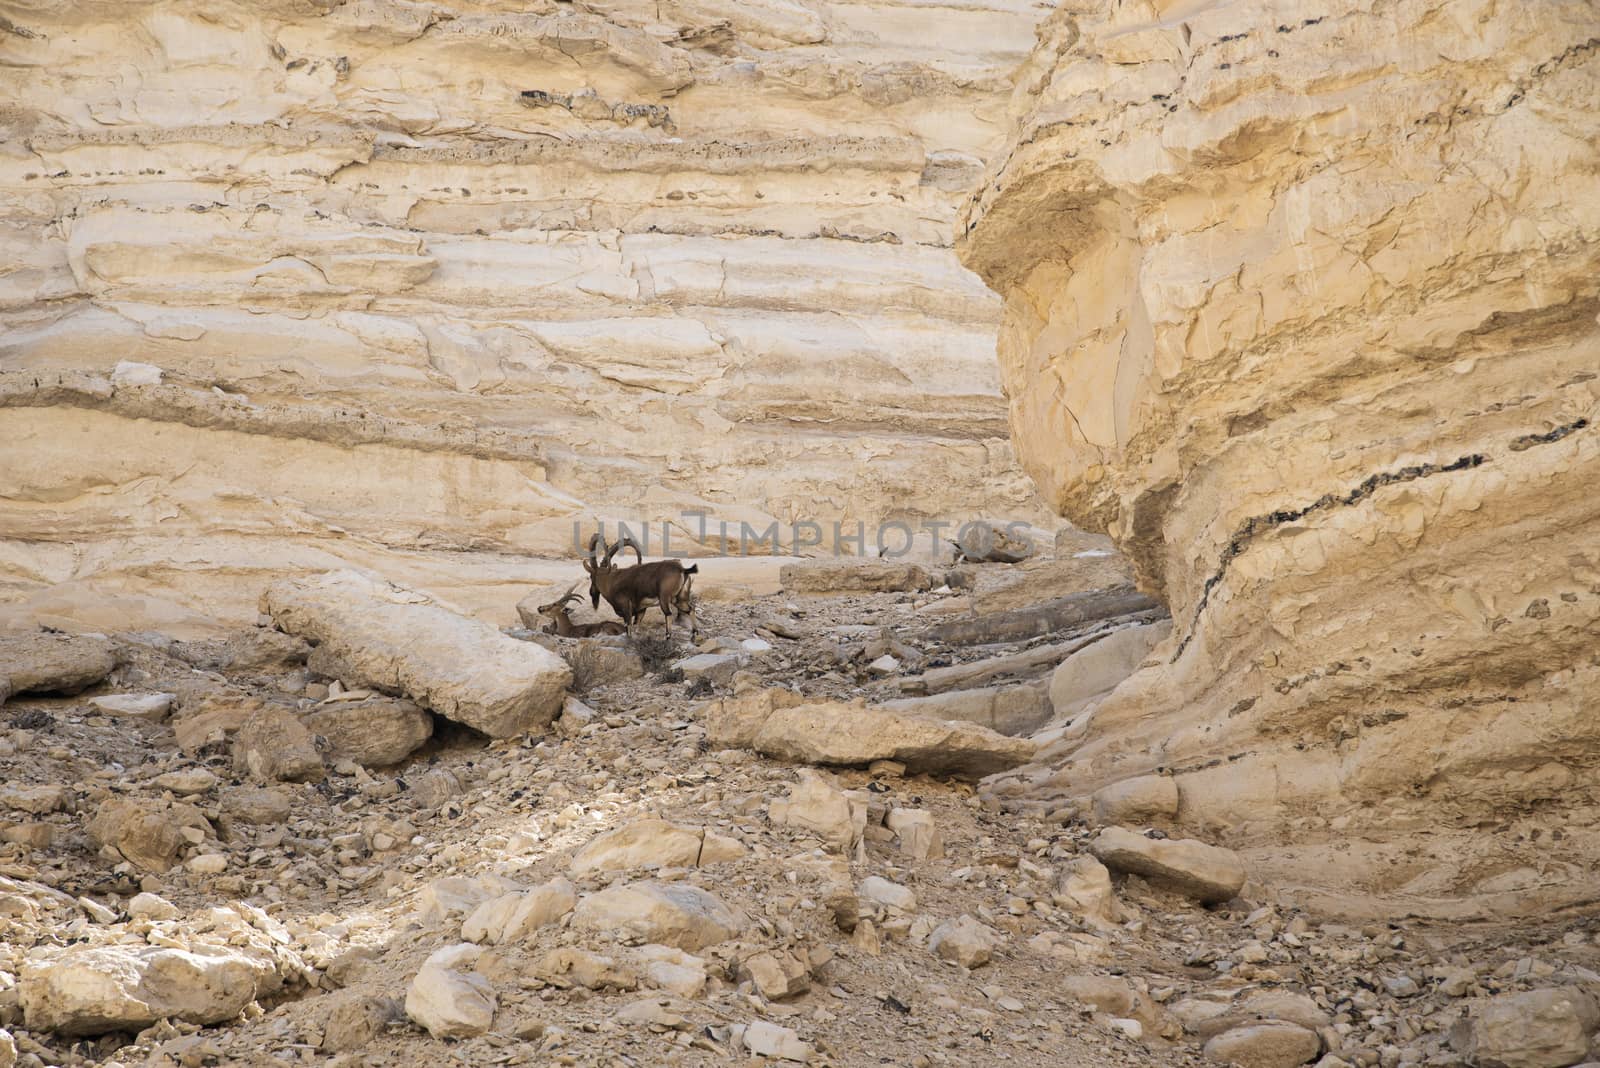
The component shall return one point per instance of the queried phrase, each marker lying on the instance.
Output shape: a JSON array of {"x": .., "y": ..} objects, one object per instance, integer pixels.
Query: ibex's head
[
  {"x": 555, "y": 608},
  {"x": 595, "y": 564}
]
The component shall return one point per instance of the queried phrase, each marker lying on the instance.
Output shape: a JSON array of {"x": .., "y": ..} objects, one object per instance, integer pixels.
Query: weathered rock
[
  {"x": 120, "y": 988},
  {"x": 1094, "y": 671},
  {"x": 1285, "y": 1005},
  {"x": 449, "y": 1000},
  {"x": 781, "y": 724},
  {"x": 355, "y": 1019},
  {"x": 982, "y": 542},
  {"x": 817, "y": 805},
  {"x": 1547, "y": 1028},
  {"x": 272, "y": 745},
  {"x": 512, "y": 917},
  {"x": 964, "y": 941},
  {"x": 770, "y": 1040},
  {"x": 776, "y": 974},
  {"x": 376, "y": 732},
  {"x": 647, "y": 844},
  {"x": 151, "y": 906},
  {"x": 600, "y": 662},
  {"x": 52, "y": 663},
  {"x": 39, "y": 800},
  {"x": 257, "y": 805},
  {"x": 401, "y": 642},
  {"x": 8, "y": 1049},
  {"x": 916, "y": 833},
  {"x": 592, "y": 971},
  {"x": 852, "y": 575},
  {"x": 148, "y": 833},
  {"x": 684, "y": 917},
  {"x": 149, "y": 706},
  {"x": 458, "y": 895},
  {"x": 1144, "y": 799},
  {"x": 718, "y": 668},
  {"x": 1084, "y": 887},
  {"x": 885, "y": 894},
  {"x": 1233, "y": 394},
  {"x": 673, "y": 970},
  {"x": 1207, "y": 873},
  {"x": 213, "y": 721},
  {"x": 1273, "y": 1044},
  {"x": 1011, "y": 710},
  {"x": 187, "y": 781}
]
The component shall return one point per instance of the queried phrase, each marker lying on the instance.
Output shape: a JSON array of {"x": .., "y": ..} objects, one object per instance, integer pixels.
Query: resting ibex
[
  {"x": 630, "y": 590},
  {"x": 561, "y": 623}
]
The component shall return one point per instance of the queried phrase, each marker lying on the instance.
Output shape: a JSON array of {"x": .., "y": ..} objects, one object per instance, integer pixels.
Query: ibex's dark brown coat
[{"x": 630, "y": 590}]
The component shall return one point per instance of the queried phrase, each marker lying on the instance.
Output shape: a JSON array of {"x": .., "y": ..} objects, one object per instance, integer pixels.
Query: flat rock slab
[
  {"x": 1207, "y": 873},
  {"x": 853, "y": 576},
  {"x": 393, "y": 639},
  {"x": 781, "y": 724},
  {"x": 53, "y": 663}
]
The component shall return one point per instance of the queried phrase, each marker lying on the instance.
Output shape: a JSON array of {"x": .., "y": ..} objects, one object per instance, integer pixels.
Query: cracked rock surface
[{"x": 1301, "y": 308}]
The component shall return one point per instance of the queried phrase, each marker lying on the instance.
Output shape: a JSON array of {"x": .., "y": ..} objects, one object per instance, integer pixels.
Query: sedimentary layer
[
  {"x": 1300, "y": 307},
  {"x": 446, "y": 276}
]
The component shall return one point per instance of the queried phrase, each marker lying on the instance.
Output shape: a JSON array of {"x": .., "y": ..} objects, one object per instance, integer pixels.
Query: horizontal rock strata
[{"x": 328, "y": 283}]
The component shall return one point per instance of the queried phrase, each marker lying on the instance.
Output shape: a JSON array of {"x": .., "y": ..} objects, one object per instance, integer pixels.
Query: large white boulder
[
  {"x": 397, "y": 640},
  {"x": 448, "y": 999}
]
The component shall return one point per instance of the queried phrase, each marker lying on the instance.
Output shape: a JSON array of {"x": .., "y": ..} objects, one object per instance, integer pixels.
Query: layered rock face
[
  {"x": 411, "y": 278},
  {"x": 1300, "y": 307}
]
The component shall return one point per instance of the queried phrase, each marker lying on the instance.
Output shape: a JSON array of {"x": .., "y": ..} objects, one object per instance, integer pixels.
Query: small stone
[
  {"x": 208, "y": 864},
  {"x": 449, "y": 1001},
  {"x": 355, "y": 1019},
  {"x": 187, "y": 781},
  {"x": 916, "y": 832},
  {"x": 776, "y": 974},
  {"x": 259, "y": 806},
  {"x": 147, "y": 906},
  {"x": 884, "y": 665},
  {"x": 717, "y": 668},
  {"x": 769, "y": 1040},
  {"x": 964, "y": 941},
  {"x": 886, "y": 769},
  {"x": 1401, "y": 986},
  {"x": 1274, "y": 1044},
  {"x": 150, "y": 706},
  {"x": 882, "y": 892}
]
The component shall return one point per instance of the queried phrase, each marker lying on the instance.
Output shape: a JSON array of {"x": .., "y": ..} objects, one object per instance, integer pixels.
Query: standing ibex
[
  {"x": 630, "y": 590},
  {"x": 561, "y": 623}
]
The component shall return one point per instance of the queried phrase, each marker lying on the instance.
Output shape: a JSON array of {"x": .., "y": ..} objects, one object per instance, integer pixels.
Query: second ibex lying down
[{"x": 630, "y": 590}]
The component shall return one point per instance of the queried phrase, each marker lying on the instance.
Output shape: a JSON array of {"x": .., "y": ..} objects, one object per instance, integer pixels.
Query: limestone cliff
[
  {"x": 1300, "y": 307},
  {"x": 421, "y": 277}
]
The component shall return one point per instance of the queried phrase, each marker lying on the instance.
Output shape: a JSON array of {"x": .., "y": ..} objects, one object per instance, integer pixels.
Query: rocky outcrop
[
  {"x": 1300, "y": 307},
  {"x": 373, "y": 283}
]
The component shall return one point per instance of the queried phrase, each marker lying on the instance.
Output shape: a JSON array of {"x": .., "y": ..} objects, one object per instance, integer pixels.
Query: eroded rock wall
[
  {"x": 426, "y": 277},
  {"x": 1300, "y": 307}
]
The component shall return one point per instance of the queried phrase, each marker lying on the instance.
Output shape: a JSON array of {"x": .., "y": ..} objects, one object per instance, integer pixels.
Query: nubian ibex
[
  {"x": 630, "y": 590},
  {"x": 561, "y": 623}
]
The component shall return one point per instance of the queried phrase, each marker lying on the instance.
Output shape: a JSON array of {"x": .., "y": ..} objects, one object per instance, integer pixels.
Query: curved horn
[{"x": 628, "y": 542}]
